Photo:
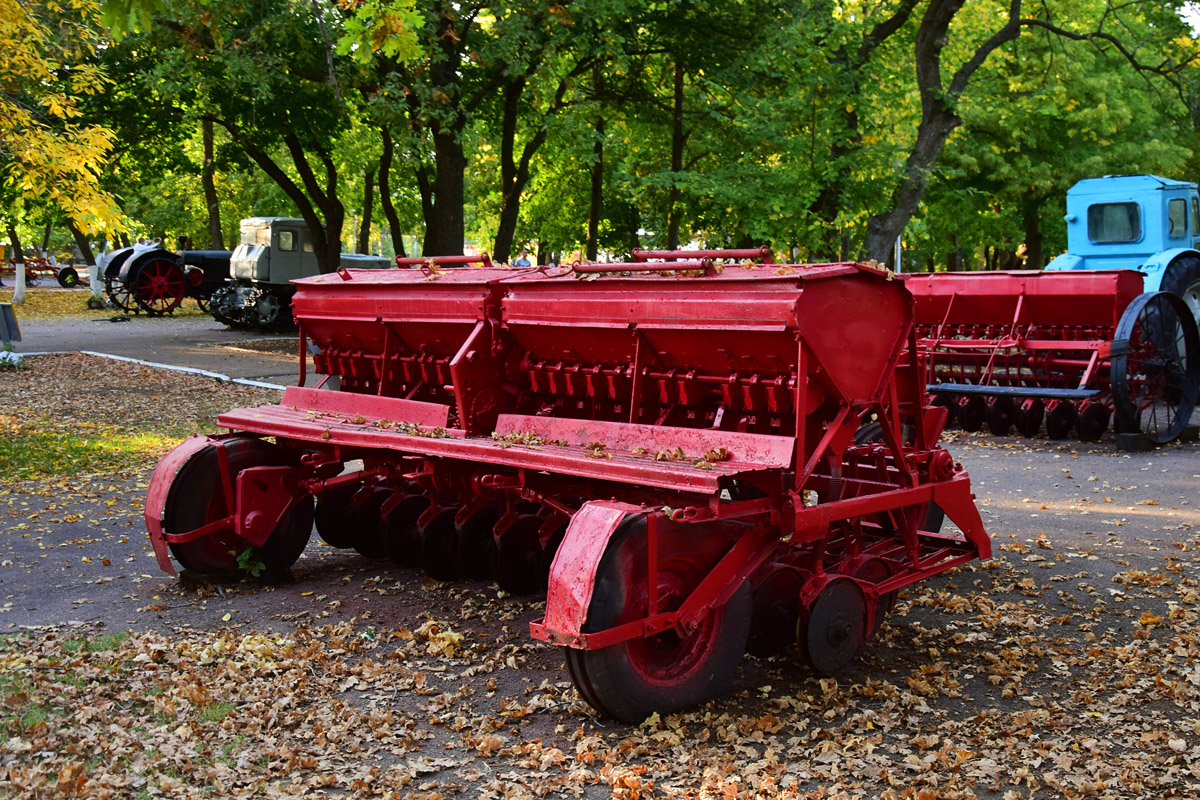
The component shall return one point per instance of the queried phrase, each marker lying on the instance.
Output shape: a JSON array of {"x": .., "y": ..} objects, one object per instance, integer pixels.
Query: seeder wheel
[
  {"x": 972, "y": 411},
  {"x": 1060, "y": 419},
  {"x": 366, "y": 521},
  {"x": 1156, "y": 366},
  {"x": 668, "y": 671},
  {"x": 477, "y": 545},
  {"x": 197, "y": 498},
  {"x": 439, "y": 547},
  {"x": 776, "y": 610},
  {"x": 833, "y": 629},
  {"x": 1092, "y": 422},
  {"x": 403, "y": 536},
  {"x": 521, "y": 566},
  {"x": 1029, "y": 416},
  {"x": 1000, "y": 413},
  {"x": 333, "y": 516}
]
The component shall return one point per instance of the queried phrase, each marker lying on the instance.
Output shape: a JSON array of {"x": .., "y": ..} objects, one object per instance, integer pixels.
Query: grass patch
[
  {"x": 29, "y": 450},
  {"x": 106, "y": 641},
  {"x": 216, "y": 712},
  {"x": 42, "y": 304}
]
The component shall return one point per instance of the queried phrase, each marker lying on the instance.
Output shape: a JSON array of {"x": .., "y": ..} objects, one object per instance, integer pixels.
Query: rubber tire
[
  {"x": 608, "y": 680},
  {"x": 196, "y": 497},
  {"x": 68, "y": 277},
  {"x": 1182, "y": 277}
]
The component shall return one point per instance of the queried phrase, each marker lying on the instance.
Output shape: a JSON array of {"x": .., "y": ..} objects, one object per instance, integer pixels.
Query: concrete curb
[{"x": 204, "y": 373}]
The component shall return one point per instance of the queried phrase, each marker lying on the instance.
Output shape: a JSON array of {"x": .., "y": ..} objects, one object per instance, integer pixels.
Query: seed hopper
[{"x": 690, "y": 461}]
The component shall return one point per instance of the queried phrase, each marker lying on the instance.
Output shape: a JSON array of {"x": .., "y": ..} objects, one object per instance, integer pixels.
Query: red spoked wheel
[
  {"x": 159, "y": 286},
  {"x": 1156, "y": 366},
  {"x": 197, "y": 497},
  {"x": 669, "y": 671}
]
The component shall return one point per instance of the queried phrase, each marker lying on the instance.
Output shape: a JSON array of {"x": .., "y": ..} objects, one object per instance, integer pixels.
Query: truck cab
[{"x": 1140, "y": 222}]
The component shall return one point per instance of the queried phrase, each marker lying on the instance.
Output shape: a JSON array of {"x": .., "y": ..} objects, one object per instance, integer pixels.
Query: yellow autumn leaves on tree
[{"x": 46, "y": 151}]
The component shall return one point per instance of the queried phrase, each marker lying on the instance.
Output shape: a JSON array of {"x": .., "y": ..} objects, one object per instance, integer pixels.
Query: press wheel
[
  {"x": 520, "y": 566},
  {"x": 403, "y": 535},
  {"x": 666, "y": 672},
  {"x": 1156, "y": 366},
  {"x": 833, "y": 629},
  {"x": 1029, "y": 416},
  {"x": 439, "y": 547},
  {"x": 197, "y": 498},
  {"x": 477, "y": 545},
  {"x": 333, "y": 515},
  {"x": 972, "y": 412},
  {"x": 366, "y": 521},
  {"x": 1001, "y": 411},
  {"x": 1060, "y": 419},
  {"x": 776, "y": 610},
  {"x": 1092, "y": 422}
]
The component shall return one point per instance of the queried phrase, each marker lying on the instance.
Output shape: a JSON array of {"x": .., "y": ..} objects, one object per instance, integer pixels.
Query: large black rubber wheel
[
  {"x": 1156, "y": 366},
  {"x": 198, "y": 498},
  {"x": 1182, "y": 277},
  {"x": 667, "y": 672}
]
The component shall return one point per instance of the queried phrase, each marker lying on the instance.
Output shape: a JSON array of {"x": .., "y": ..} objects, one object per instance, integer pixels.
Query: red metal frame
[{"x": 729, "y": 398}]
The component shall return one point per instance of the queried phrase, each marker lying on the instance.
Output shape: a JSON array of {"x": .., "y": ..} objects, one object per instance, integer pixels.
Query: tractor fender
[
  {"x": 573, "y": 573},
  {"x": 1156, "y": 266},
  {"x": 160, "y": 488},
  {"x": 1066, "y": 261}
]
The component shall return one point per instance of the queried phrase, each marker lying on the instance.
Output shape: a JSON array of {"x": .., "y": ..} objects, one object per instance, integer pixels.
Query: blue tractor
[{"x": 1140, "y": 222}]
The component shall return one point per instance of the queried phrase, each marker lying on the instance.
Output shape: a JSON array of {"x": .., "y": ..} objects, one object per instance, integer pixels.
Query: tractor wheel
[
  {"x": 1183, "y": 278},
  {"x": 119, "y": 295},
  {"x": 1156, "y": 366},
  {"x": 159, "y": 286},
  {"x": 666, "y": 672},
  {"x": 68, "y": 277},
  {"x": 197, "y": 498},
  {"x": 833, "y": 630},
  {"x": 1030, "y": 413}
]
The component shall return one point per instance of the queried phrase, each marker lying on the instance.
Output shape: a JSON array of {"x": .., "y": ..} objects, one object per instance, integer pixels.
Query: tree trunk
[
  {"x": 449, "y": 230},
  {"x": 18, "y": 295},
  {"x": 676, "y": 159},
  {"x": 1033, "y": 234},
  {"x": 385, "y": 194},
  {"x": 216, "y": 238},
  {"x": 82, "y": 242},
  {"x": 596, "y": 206},
  {"x": 46, "y": 237},
  {"x": 364, "y": 231}
]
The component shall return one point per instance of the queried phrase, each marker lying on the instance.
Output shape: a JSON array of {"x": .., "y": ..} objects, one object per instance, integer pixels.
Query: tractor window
[
  {"x": 253, "y": 234},
  {"x": 287, "y": 241},
  {"x": 1177, "y": 219},
  {"x": 1114, "y": 222},
  {"x": 1195, "y": 215}
]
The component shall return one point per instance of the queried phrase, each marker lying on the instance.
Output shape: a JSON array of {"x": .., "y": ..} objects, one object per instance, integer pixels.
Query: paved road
[{"x": 202, "y": 343}]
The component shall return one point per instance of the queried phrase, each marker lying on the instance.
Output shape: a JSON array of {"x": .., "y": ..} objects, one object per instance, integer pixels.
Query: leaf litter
[{"x": 1056, "y": 677}]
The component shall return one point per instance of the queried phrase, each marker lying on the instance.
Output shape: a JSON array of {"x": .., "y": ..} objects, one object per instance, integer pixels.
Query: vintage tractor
[
  {"x": 1140, "y": 222},
  {"x": 154, "y": 280},
  {"x": 695, "y": 461},
  {"x": 272, "y": 252}
]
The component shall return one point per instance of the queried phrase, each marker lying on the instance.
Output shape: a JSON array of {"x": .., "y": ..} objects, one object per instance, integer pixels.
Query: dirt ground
[{"x": 1066, "y": 666}]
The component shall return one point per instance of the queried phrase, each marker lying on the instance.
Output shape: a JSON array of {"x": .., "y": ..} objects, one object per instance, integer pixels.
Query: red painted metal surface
[{"x": 547, "y": 409}]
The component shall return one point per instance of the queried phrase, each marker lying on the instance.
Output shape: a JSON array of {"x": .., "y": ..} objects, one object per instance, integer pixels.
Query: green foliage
[{"x": 249, "y": 562}]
